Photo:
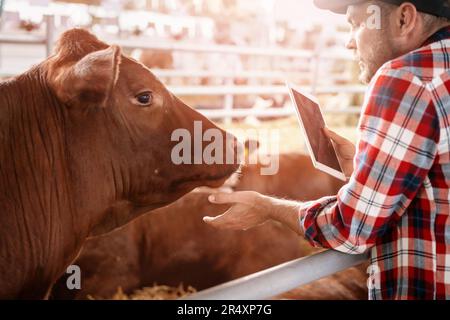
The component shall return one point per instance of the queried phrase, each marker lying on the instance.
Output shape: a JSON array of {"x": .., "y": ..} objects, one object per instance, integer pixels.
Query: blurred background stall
[{"x": 227, "y": 58}]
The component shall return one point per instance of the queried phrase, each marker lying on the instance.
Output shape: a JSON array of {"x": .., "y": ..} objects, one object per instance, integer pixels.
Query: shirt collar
[{"x": 441, "y": 34}]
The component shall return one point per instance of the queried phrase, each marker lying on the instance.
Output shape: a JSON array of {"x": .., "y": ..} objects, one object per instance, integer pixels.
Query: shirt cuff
[{"x": 307, "y": 218}]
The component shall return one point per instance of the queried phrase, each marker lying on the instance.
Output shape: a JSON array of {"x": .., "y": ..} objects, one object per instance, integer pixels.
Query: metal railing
[
  {"x": 268, "y": 113},
  {"x": 229, "y": 90},
  {"x": 230, "y": 49},
  {"x": 257, "y": 90},
  {"x": 280, "y": 279},
  {"x": 242, "y": 74},
  {"x": 285, "y": 277},
  {"x": 47, "y": 40}
]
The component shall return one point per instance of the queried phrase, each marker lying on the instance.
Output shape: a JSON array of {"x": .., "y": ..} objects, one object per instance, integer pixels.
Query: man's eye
[{"x": 144, "y": 98}]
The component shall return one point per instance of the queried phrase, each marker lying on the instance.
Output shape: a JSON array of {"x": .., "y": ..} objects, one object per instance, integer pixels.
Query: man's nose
[{"x": 351, "y": 44}]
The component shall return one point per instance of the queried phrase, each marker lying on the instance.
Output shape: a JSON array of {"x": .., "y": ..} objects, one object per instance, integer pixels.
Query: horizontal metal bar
[
  {"x": 187, "y": 73},
  {"x": 168, "y": 73},
  {"x": 282, "y": 278},
  {"x": 244, "y": 74},
  {"x": 146, "y": 43},
  {"x": 22, "y": 39},
  {"x": 244, "y": 90},
  {"x": 227, "y": 49},
  {"x": 10, "y": 72},
  {"x": 266, "y": 113},
  {"x": 332, "y": 54}
]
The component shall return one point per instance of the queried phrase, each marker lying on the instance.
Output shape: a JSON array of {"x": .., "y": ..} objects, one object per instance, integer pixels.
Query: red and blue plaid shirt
[{"x": 397, "y": 202}]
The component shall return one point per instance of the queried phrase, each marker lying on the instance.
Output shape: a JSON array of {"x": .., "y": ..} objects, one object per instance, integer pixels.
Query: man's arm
[
  {"x": 398, "y": 144},
  {"x": 251, "y": 209},
  {"x": 399, "y": 135},
  {"x": 255, "y": 208}
]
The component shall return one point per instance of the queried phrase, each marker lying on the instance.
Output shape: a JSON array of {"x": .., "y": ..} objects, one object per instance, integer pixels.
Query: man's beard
[
  {"x": 383, "y": 50},
  {"x": 367, "y": 72}
]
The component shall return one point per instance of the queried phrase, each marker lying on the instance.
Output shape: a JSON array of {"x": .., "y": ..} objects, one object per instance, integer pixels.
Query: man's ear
[
  {"x": 89, "y": 81},
  {"x": 406, "y": 15}
]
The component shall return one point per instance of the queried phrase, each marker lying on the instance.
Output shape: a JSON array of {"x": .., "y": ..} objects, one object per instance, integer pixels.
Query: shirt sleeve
[{"x": 398, "y": 138}]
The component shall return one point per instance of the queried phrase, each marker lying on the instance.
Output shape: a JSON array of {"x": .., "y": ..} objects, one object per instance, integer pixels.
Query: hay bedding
[{"x": 157, "y": 292}]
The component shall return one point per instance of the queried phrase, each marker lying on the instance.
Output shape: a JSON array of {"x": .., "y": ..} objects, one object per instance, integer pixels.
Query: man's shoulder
[{"x": 425, "y": 63}]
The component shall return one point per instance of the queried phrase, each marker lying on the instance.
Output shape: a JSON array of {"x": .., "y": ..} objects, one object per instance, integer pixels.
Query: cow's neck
[{"x": 39, "y": 230}]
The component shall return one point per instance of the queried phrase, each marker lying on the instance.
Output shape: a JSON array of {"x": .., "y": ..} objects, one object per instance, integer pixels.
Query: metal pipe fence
[
  {"x": 280, "y": 279},
  {"x": 228, "y": 91}
]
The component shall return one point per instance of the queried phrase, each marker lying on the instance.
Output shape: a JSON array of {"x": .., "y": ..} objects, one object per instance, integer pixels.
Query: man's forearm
[{"x": 285, "y": 211}]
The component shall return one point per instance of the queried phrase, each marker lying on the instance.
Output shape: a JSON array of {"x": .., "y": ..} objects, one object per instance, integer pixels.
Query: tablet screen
[{"x": 311, "y": 117}]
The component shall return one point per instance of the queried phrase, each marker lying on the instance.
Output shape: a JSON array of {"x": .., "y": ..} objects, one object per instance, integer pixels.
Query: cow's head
[{"x": 119, "y": 130}]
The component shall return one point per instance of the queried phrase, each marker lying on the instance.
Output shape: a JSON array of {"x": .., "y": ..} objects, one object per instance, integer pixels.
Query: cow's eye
[{"x": 144, "y": 98}]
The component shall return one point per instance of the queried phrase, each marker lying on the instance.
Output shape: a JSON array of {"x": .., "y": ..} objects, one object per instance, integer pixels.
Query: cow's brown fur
[
  {"x": 79, "y": 157},
  {"x": 174, "y": 245}
]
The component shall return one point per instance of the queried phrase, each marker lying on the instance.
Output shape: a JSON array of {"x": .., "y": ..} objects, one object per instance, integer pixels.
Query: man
[{"x": 397, "y": 202}]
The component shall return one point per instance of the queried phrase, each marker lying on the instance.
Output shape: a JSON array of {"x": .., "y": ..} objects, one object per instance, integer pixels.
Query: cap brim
[{"x": 337, "y": 6}]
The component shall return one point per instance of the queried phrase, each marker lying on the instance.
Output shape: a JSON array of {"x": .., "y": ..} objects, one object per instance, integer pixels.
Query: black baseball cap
[{"x": 439, "y": 8}]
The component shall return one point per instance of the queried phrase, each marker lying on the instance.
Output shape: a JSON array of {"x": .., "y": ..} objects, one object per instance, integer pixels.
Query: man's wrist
[{"x": 284, "y": 211}]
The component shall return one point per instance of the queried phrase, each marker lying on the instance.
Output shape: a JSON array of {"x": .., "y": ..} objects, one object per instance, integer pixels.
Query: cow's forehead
[
  {"x": 134, "y": 66},
  {"x": 137, "y": 74}
]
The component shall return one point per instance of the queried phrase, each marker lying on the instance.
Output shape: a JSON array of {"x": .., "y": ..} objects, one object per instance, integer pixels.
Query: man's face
[{"x": 372, "y": 43}]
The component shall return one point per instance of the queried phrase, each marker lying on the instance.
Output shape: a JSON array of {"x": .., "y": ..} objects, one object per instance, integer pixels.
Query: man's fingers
[
  {"x": 214, "y": 220},
  {"x": 234, "y": 197},
  {"x": 220, "y": 221},
  {"x": 210, "y": 220},
  {"x": 334, "y": 136},
  {"x": 222, "y": 198}
]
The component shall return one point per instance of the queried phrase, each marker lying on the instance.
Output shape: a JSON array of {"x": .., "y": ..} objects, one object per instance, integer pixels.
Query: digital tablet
[{"x": 320, "y": 147}]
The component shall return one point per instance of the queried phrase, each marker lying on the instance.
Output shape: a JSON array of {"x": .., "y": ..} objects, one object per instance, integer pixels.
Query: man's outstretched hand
[
  {"x": 345, "y": 150},
  {"x": 250, "y": 209}
]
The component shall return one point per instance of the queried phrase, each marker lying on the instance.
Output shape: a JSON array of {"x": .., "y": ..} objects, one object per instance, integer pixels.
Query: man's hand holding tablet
[
  {"x": 324, "y": 156},
  {"x": 250, "y": 208},
  {"x": 345, "y": 150}
]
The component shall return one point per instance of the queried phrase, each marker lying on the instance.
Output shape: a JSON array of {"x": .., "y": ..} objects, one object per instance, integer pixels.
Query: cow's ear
[{"x": 90, "y": 81}]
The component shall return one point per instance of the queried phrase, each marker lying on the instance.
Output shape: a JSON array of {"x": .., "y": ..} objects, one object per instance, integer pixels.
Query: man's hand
[
  {"x": 345, "y": 150},
  {"x": 251, "y": 209},
  {"x": 248, "y": 210}
]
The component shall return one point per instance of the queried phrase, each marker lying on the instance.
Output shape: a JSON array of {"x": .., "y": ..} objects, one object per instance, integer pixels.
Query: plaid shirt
[{"x": 397, "y": 202}]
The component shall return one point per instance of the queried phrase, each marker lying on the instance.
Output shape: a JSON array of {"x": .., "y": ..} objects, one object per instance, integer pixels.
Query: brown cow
[
  {"x": 173, "y": 245},
  {"x": 296, "y": 179},
  {"x": 85, "y": 147}
]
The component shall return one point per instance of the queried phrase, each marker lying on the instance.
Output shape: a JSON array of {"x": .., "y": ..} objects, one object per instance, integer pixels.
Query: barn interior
[{"x": 228, "y": 60}]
